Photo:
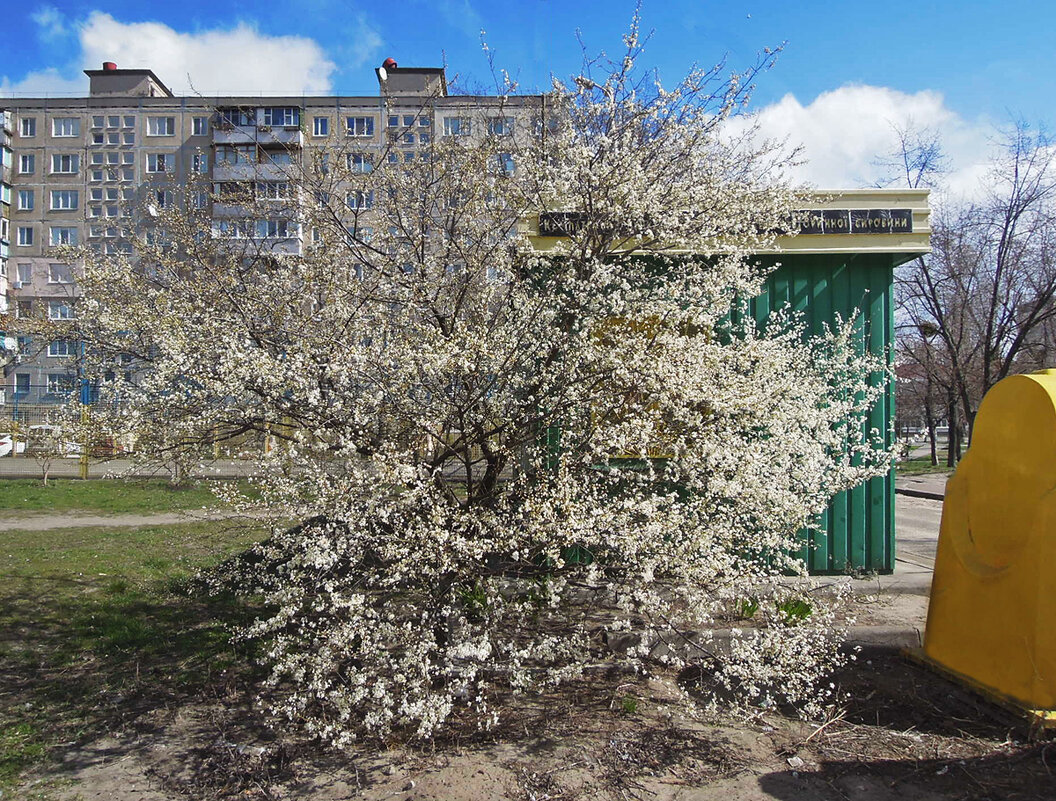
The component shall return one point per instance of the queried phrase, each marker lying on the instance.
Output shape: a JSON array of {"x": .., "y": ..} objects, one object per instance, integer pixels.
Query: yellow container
[{"x": 992, "y": 615}]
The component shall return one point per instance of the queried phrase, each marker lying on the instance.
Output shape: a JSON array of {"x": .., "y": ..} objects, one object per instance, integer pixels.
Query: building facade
[{"x": 81, "y": 171}]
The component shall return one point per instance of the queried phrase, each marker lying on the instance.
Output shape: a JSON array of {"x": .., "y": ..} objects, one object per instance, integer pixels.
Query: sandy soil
[{"x": 901, "y": 733}]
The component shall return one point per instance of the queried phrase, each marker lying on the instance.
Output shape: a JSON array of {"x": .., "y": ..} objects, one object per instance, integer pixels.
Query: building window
[
  {"x": 98, "y": 138},
  {"x": 113, "y": 121},
  {"x": 200, "y": 200},
  {"x": 200, "y": 163},
  {"x": 506, "y": 164},
  {"x": 27, "y": 126},
  {"x": 500, "y": 126},
  {"x": 128, "y": 138},
  {"x": 66, "y": 126},
  {"x": 27, "y": 163},
  {"x": 275, "y": 229},
  {"x": 357, "y": 162},
  {"x": 360, "y": 200},
  {"x": 60, "y": 274},
  {"x": 273, "y": 190},
  {"x": 97, "y": 122},
  {"x": 236, "y": 154},
  {"x": 200, "y": 126},
  {"x": 25, "y": 199},
  {"x": 65, "y": 163},
  {"x": 24, "y": 273},
  {"x": 360, "y": 126},
  {"x": 60, "y": 383},
  {"x": 230, "y": 229},
  {"x": 25, "y": 236},
  {"x": 424, "y": 122},
  {"x": 321, "y": 126},
  {"x": 130, "y": 121},
  {"x": 408, "y": 138},
  {"x": 63, "y": 235},
  {"x": 456, "y": 126},
  {"x": 231, "y": 117},
  {"x": 62, "y": 347},
  {"x": 282, "y": 158},
  {"x": 423, "y": 138},
  {"x": 114, "y": 139},
  {"x": 287, "y": 116},
  {"x": 21, "y": 384},
  {"x": 394, "y": 121},
  {"x": 24, "y": 309},
  {"x": 162, "y": 197},
  {"x": 63, "y": 199},
  {"x": 159, "y": 162},
  {"x": 161, "y": 126},
  {"x": 59, "y": 310}
]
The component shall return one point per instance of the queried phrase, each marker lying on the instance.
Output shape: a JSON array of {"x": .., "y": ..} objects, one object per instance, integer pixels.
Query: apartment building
[{"x": 79, "y": 171}]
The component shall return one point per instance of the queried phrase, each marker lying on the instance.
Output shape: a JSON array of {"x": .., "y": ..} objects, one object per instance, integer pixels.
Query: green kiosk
[{"x": 841, "y": 263}]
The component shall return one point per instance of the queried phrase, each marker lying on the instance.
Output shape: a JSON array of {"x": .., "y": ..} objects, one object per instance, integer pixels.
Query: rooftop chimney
[{"x": 109, "y": 66}]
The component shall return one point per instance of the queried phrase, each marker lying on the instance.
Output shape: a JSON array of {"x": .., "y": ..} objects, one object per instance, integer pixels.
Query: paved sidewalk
[
  {"x": 27, "y": 467},
  {"x": 45, "y": 521},
  {"x": 927, "y": 485}
]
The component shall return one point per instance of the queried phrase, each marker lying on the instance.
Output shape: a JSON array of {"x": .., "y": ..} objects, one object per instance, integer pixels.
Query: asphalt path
[{"x": 917, "y": 529}]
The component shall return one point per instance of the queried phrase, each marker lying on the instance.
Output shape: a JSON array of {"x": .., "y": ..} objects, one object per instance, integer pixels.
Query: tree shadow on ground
[
  {"x": 904, "y": 732},
  {"x": 82, "y": 658}
]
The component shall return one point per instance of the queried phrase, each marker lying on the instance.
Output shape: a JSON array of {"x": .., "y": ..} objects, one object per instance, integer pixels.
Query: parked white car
[{"x": 6, "y": 442}]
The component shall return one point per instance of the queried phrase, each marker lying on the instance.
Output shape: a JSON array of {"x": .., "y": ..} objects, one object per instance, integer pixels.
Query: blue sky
[{"x": 847, "y": 71}]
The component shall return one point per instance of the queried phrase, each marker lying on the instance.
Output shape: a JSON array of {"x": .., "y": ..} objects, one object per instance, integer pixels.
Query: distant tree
[{"x": 986, "y": 291}]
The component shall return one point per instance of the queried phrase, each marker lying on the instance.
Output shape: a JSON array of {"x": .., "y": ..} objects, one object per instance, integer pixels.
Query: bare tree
[
  {"x": 986, "y": 291},
  {"x": 917, "y": 162}
]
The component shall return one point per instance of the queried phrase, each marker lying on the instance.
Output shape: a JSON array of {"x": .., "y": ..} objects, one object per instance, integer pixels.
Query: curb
[
  {"x": 915, "y": 493},
  {"x": 897, "y": 637}
]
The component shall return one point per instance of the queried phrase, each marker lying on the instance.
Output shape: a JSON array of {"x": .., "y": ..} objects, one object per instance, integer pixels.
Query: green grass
[
  {"x": 96, "y": 629},
  {"x": 114, "y": 496},
  {"x": 917, "y": 467}
]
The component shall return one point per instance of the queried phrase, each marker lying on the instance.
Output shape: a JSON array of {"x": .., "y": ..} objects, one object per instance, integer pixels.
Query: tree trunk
[
  {"x": 953, "y": 437},
  {"x": 929, "y": 421}
]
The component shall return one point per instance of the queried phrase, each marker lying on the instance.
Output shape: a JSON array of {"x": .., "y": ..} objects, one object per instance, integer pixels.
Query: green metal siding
[{"x": 857, "y": 532}]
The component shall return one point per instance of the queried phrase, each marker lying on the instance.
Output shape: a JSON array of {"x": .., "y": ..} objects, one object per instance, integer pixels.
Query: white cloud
[
  {"x": 238, "y": 60},
  {"x": 50, "y": 21},
  {"x": 461, "y": 15},
  {"x": 844, "y": 132},
  {"x": 45, "y": 83}
]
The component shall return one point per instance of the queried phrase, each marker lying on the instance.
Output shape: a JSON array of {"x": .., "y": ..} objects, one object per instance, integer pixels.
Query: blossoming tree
[{"x": 500, "y": 448}]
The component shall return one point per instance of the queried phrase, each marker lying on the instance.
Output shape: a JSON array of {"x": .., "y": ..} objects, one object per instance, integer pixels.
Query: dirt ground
[{"x": 901, "y": 733}]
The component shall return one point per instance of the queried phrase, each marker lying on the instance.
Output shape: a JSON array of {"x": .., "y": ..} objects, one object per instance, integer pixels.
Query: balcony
[
  {"x": 265, "y": 135},
  {"x": 253, "y": 171}
]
